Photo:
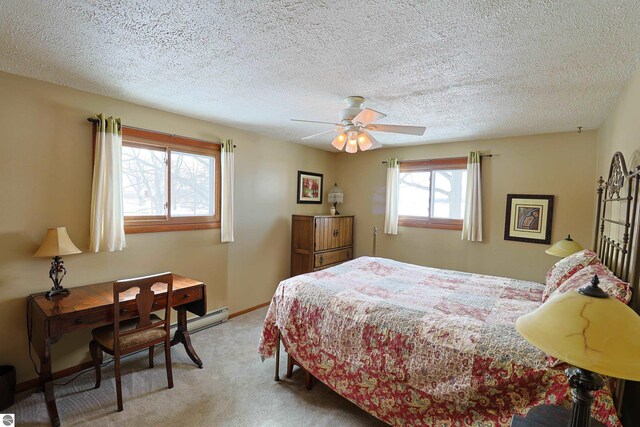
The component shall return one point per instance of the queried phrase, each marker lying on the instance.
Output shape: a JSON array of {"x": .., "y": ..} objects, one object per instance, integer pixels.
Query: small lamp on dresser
[
  {"x": 335, "y": 196},
  {"x": 593, "y": 332},
  {"x": 55, "y": 244}
]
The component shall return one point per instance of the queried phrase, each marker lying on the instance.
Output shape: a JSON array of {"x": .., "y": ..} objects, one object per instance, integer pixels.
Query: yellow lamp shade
[
  {"x": 565, "y": 247},
  {"x": 57, "y": 243},
  {"x": 598, "y": 334}
]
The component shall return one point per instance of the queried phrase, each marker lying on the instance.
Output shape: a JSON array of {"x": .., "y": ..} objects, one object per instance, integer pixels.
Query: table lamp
[
  {"x": 593, "y": 332},
  {"x": 55, "y": 244},
  {"x": 335, "y": 196},
  {"x": 564, "y": 248}
]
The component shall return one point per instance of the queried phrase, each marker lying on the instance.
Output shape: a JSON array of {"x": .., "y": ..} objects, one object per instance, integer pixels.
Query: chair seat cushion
[{"x": 104, "y": 334}]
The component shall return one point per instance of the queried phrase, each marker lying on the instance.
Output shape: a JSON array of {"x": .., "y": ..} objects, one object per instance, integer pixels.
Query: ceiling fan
[{"x": 355, "y": 124}]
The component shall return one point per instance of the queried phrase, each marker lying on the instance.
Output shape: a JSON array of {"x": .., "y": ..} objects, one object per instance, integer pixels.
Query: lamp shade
[
  {"x": 565, "y": 247},
  {"x": 601, "y": 335},
  {"x": 57, "y": 243},
  {"x": 335, "y": 194},
  {"x": 339, "y": 141}
]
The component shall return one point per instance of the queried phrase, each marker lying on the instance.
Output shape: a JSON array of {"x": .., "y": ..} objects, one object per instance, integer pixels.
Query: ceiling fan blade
[
  {"x": 407, "y": 130},
  {"x": 368, "y": 115},
  {"x": 374, "y": 142},
  {"x": 314, "y": 121},
  {"x": 318, "y": 134}
]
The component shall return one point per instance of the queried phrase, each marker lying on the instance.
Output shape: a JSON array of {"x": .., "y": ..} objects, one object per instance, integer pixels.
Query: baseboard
[
  {"x": 212, "y": 318},
  {"x": 33, "y": 383},
  {"x": 248, "y": 310}
]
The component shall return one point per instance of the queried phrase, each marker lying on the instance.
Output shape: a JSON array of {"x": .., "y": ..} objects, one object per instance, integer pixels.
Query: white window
[
  {"x": 169, "y": 182},
  {"x": 192, "y": 184},
  {"x": 144, "y": 180},
  {"x": 432, "y": 193}
]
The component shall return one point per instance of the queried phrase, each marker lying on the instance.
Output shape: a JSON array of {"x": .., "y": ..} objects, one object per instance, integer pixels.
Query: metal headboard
[{"x": 616, "y": 239}]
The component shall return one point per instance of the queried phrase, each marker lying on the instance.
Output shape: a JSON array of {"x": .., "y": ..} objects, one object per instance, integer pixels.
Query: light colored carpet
[{"x": 233, "y": 389}]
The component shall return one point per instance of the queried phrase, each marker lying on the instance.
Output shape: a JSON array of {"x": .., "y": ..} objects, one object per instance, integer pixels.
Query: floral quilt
[{"x": 419, "y": 346}]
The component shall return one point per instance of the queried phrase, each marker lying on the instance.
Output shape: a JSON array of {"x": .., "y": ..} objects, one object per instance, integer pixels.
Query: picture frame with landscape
[{"x": 309, "y": 187}]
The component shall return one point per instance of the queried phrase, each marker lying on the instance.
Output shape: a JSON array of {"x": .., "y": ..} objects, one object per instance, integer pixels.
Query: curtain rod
[
  {"x": 95, "y": 121},
  {"x": 384, "y": 162}
]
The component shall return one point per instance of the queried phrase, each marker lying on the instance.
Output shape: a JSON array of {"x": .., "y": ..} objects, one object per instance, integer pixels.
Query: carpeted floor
[{"x": 233, "y": 389}]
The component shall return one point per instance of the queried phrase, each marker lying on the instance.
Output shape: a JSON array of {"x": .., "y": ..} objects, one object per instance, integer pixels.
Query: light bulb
[
  {"x": 339, "y": 141},
  {"x": 352, "y": 146},
  {"x": 363, "y": 142}
]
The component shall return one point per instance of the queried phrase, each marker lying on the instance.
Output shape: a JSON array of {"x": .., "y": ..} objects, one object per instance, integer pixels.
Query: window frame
[
  {"x": 134, "y": 137},
  {"x": 452, "y": 163}
]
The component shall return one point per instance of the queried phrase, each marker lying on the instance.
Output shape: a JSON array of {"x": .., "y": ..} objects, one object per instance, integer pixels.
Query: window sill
[
  {"x": 444, "y": 224},
  {"x": 158, "y": 228}
]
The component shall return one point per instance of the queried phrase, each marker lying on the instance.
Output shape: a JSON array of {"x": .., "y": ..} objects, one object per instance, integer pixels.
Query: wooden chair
[{"x": 131, "y": 335}]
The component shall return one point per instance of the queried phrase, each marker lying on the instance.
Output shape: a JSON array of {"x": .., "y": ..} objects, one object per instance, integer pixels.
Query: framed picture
[
  {"x": 528, "y": 218},
  {"x": 309, "y": 187}
]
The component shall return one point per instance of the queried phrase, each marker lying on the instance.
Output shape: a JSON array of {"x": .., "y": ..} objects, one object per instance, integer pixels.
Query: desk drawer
[
  {"x": 332, "y": 257},
  {"x": 128, "y": 309},
  {"x": 185, "y": 296},
  {"x": 75, "y": 321}
]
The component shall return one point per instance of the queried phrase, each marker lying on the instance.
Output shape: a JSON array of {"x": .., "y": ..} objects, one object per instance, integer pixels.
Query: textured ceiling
[{"x": 463, "y": 69}]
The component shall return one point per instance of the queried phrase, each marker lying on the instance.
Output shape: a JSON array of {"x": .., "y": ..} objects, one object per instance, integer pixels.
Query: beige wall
[
  {"x": 562, "y": 164},
  {"x": 45, "y": 181},
  {"x": 621, "y": 130}
]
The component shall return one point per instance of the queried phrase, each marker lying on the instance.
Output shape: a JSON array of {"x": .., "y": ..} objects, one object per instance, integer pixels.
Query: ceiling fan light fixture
[
  {"x": 363, "y": 142},
  {"x": 352, "y": 146},
  {"x": 339, "y": 141},
  {"x": 355, "y": 122}
]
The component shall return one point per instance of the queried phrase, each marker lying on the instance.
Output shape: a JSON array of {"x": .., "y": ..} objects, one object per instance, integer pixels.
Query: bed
[{"x": 416, "y": 345}]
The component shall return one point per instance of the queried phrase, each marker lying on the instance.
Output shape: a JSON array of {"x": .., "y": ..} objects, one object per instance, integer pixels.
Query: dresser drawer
[{"x": 332, "y": 257}]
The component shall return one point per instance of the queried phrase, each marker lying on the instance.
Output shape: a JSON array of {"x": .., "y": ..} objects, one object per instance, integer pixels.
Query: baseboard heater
[{"x": 210, "y": 319}]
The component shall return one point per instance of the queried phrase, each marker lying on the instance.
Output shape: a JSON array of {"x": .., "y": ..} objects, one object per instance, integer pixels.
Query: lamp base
[
  {"x": 58, "y": 291},
  {"x": 583, "y": 383}
]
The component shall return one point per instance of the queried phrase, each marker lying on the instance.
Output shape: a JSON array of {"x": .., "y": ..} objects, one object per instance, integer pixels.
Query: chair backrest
[{"x": 144, "y": 303}]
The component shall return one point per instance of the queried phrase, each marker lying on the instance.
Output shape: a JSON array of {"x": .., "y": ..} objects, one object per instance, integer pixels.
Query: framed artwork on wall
[
  {"x": 309, "y": 187},
  {"x": 528, "y": 218}
]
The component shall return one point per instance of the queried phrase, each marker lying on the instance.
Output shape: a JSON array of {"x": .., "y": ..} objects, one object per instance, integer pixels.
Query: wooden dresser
[{"x": 320, "y": 241}]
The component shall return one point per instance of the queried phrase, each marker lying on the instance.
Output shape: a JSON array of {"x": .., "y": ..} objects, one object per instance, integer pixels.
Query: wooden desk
[{"x": 91, "y": 306}]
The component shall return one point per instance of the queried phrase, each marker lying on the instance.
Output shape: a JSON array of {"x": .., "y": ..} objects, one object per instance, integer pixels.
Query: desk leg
[
  {"x": 182, "y": 336},
  {"x": 39, "y": 339},
  {"x": 46, "y": 384}
]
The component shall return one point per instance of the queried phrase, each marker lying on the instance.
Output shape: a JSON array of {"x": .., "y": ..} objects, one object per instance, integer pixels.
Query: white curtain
[
  {"x": 391, "y": 210},
  {"x": 472, "y": 224},
  {"x": 226, "y": 215},
  {"x": 107, "y": 217}
]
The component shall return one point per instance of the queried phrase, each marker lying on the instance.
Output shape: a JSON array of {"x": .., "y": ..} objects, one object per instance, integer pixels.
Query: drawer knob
[
  {"x": 155, "y": 304},
  {"x": 123, "y": 310},
  {"x": 186, "y": 296},
  {"x": 78, "y": 321},
  {"x": 321, "y": 260}
]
